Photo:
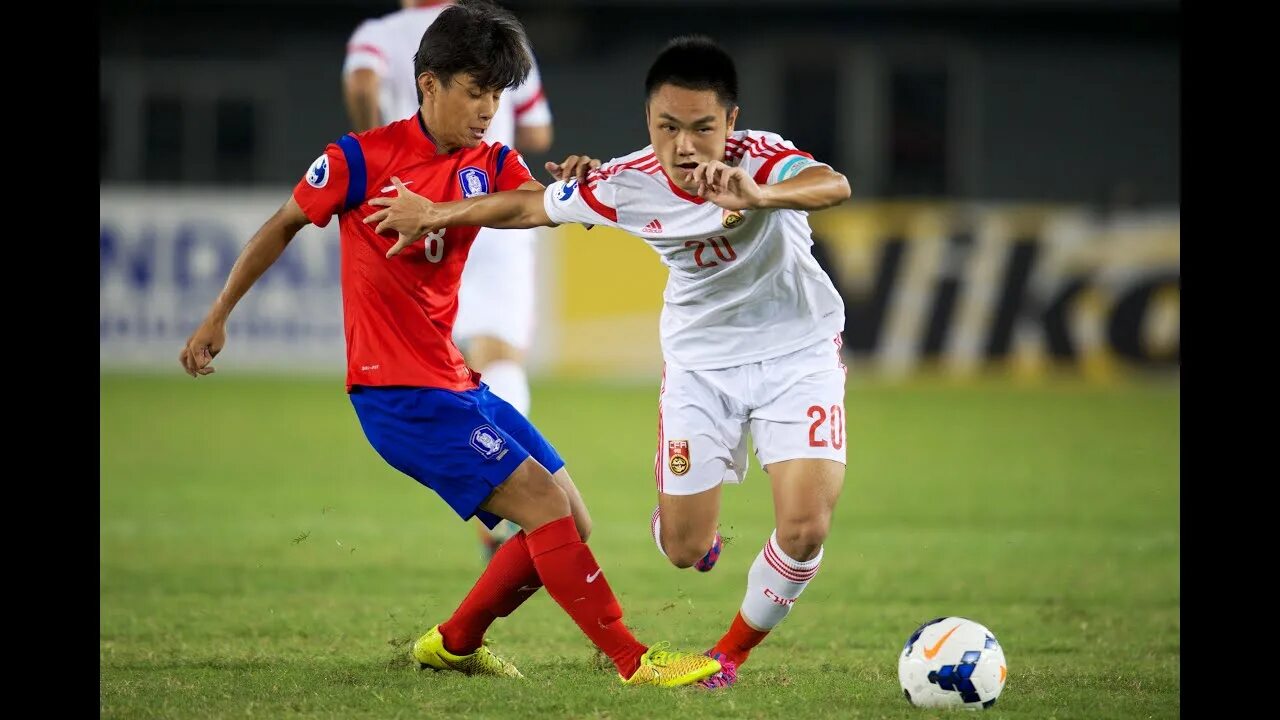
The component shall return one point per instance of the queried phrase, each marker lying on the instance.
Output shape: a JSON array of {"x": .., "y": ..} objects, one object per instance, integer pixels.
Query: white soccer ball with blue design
[{"x": 952, "y": 662}]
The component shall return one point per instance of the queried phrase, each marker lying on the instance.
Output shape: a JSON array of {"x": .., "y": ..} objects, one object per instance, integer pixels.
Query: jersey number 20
[{"x": 720, "y": 244}]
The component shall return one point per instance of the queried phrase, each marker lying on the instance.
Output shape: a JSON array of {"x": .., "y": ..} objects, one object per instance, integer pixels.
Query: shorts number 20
[{"x": 835, "y": 427}]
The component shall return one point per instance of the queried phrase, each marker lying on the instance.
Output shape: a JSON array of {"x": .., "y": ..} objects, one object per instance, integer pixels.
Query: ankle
[
  {"x": 629, "y": 663},
  {"x": 456, "y": 643}
]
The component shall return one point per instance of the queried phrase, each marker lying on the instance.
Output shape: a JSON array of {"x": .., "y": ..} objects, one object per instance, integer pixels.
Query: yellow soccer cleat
[
  {"x": 429, "y": 651},
  {"x": 671, "y": 668}
]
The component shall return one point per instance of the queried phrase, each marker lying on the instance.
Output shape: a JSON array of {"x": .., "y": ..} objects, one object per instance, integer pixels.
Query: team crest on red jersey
[
  {"x": 474, "y": 181},
  {"x": 678, "y": 456}
]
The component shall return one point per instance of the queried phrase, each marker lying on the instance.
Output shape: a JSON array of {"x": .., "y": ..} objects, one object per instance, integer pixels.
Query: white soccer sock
[
  {"x": 655, "y": 526},
  {"x": 507, "y": 380},
  {"x": 773, "y": 584}
]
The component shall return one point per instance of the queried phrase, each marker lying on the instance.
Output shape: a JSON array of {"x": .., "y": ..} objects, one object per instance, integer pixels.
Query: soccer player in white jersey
[
  {"x": 750, "y": 323},
  {"x": 495, "y": 306}
]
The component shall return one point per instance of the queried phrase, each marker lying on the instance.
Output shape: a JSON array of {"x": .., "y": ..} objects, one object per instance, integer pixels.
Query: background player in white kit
[
  {"x": 494, "y": 327},
  {"x": 750, "y": 322}
]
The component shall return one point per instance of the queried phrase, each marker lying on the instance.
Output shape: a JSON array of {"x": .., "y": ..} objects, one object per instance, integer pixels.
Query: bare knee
[
  {"x": 583, "y": 522},
  {"x": 577, "y": 507},
  {"x": 547, "y": 502},
  {"x": 685, "y": 550},
  {"x": 529, "y": 497},
  {"x": 802, "y": 538},
  {"x": 684, "y": 557}
]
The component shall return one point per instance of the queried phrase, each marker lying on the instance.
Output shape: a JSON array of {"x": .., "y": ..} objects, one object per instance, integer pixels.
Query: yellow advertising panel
[{"x": 941, "y": 287}]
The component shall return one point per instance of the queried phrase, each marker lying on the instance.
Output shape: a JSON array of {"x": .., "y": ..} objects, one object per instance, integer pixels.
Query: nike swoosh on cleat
[
  {"x": 937, "y": 647},
  {"x": 447, "y": 662},
  {"x": 592, "y": 577}
]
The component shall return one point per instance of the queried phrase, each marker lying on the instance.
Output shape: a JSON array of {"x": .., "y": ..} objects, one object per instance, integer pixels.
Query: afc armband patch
[
  {"x": 792, "y": 167},
  {"x": 318, "y": 173}
]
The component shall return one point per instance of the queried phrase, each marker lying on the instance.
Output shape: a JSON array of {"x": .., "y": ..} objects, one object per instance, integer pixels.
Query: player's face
[
  {"x": 687, "y": 127},
  {"x": 460, "y": 111}
]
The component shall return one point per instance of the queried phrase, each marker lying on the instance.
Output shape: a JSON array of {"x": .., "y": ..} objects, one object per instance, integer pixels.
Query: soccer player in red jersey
[{"x": 424, "y": 411}]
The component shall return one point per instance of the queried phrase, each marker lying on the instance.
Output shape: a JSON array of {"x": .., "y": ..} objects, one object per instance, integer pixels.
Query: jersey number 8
[{"x": 435, "y": 245}]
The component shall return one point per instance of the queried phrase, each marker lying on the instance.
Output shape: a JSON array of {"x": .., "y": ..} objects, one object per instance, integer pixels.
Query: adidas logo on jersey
[{"x": 653, "y": 227}]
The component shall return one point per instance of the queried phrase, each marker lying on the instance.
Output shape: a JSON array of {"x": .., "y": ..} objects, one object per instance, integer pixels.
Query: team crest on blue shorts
[
  {"x": 474, "y": 181},
  {"x": 488, "y": 442}
]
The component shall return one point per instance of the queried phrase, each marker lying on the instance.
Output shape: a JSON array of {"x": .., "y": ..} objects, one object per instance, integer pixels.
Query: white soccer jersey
[
  {"x": 742, "y": 287},
  {"x": 387, "y": 45}
]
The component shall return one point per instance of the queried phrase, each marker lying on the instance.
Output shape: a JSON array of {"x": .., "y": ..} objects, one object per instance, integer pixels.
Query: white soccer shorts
[
  {"x": 792, "y": 406},
  {"x": 497, "y": 293}
]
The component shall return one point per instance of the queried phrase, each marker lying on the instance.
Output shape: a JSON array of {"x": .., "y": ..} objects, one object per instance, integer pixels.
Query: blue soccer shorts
[{"x": 462, "y": 444}]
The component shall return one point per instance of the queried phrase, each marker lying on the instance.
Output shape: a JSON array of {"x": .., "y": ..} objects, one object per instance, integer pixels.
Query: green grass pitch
[{"x": 258, "y": 559}]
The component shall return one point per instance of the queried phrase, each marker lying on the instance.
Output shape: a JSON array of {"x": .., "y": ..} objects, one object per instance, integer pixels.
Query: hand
[
  {"x": 574, "y": 166},
  {"x": 409, "y": 214},
  {"x": 729, "y": 187},
  {"x": 202, "y": 347}
]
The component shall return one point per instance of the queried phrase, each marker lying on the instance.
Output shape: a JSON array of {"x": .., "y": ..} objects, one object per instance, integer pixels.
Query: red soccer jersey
[{"x": 399, "y": 313}]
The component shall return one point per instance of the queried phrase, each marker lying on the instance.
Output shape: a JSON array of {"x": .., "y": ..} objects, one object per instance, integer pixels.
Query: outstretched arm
[
  {"x": 263, "y": 249},
  {"x": 733, "y": 188},
  {"x": 413, "y": 216},
  {"x": 814, "y": 188}
]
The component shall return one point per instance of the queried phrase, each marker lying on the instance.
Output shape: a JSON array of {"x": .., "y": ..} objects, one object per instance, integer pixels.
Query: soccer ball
[
  {"x": 708, "y": 561},
  {"x": 952, "y": 662}
]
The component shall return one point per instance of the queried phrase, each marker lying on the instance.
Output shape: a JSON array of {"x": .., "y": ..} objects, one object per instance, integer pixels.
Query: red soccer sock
[
  {"x": 506, "y": 582},
  {"x": 738, "y": 642},
  {"x": 574, "y": 579}
]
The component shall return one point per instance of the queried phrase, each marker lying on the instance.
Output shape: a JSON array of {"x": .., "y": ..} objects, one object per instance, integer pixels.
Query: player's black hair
[
  {"x": 695, "y": 62},
  {"x": 475, "y": 37}
]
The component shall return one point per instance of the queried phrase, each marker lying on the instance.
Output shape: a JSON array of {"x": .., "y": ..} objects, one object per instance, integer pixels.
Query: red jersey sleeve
[
  {"x": 511, "y": 170},
  {"x": 322, "y": 191}
]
